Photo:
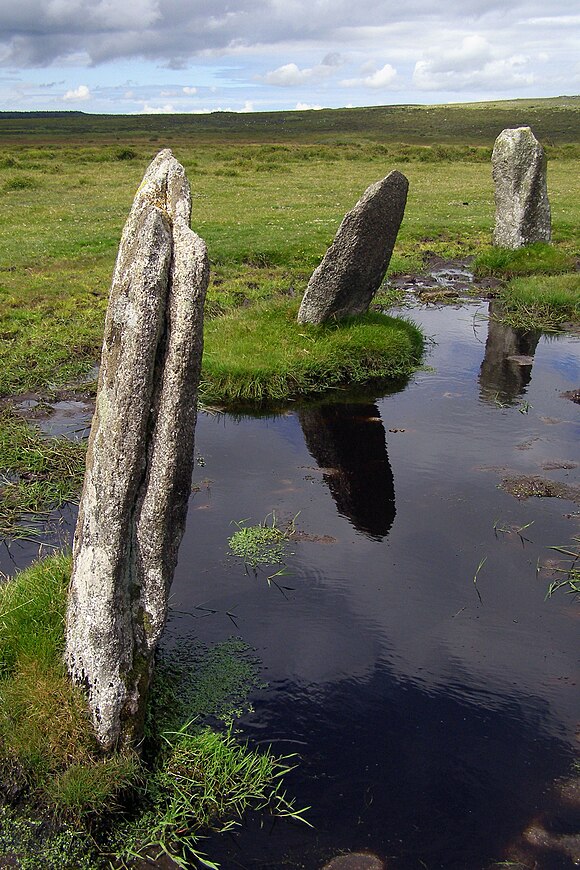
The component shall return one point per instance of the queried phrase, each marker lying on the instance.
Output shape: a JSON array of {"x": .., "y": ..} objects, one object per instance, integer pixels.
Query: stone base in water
[{"x": 356, "y": 861}]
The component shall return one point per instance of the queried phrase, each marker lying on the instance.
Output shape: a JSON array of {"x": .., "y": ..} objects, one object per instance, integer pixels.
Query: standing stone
[
  {"x": 140, "y": 454},
  {"x": 354, "y": 266},
  {"x": 522, "y": 208}
]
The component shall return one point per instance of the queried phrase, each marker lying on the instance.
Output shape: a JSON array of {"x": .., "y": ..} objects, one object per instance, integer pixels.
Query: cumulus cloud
[
  {"x": 472, "y": 64},
  {"x": 380, "y": 78},
  {"x": 78, "y": 94},
  {"x": 302, "y": 107},
  {"x": 478, "y": 47},
  {"x": 290, "y": 74}
]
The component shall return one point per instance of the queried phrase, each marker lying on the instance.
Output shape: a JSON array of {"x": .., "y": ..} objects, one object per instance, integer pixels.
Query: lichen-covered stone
[
  {"x": 354, "y": 266},
  {"x": 522, "y": 208},
  {"x": 140, "y": 454}
]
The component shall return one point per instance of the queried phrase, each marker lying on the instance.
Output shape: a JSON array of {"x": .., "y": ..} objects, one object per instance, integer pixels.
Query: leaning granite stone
[
  {"x": 354, "y": 266},
  {"x": 522, "y": 208},
  {"x": 140, "y": 454}
]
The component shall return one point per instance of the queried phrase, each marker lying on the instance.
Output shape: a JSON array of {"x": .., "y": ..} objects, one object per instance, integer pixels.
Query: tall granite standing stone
[
  {"x": 522, "y": 208},
  {"x": 140, "y": 454},
  {"x": 354, "y": 266}
]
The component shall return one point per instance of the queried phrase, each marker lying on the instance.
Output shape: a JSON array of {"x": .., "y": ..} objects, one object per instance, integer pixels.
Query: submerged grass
[
  {"x": 36, "y": 474},
  {"x": 262, "y": 355},
  {"x": 60, "y": 788},
  {"x": 568, "y": 575}
]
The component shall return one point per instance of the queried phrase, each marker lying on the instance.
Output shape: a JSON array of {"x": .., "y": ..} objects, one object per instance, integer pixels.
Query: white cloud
[
  {"x": 261, "y": 51},
  {"x": 302, "y": 107},
  {"x": 473, "y": 64},
  {"x": 167, "y": 109},
  {"x": 79, "y": 94},
  {"x": 290, "y": 74},
  {"x": 380, "y": 78}
]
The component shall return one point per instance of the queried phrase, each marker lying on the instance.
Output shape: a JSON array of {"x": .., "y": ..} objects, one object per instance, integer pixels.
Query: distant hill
[{"x": 554, "y": 120}]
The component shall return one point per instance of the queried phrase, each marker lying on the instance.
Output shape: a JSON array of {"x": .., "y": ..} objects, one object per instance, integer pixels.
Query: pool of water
[
  {"x": 431, "y": 713},
  {"x": 411, "y": 659}
]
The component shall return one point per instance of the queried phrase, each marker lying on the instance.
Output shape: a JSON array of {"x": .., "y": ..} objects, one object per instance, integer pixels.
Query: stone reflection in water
[
  {"x": 506, "y": 369},
  {"x": 349, "y": 445}
]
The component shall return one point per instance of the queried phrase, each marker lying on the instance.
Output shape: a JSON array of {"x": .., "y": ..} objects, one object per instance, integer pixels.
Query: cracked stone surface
[{"x": 140, "y": 454}]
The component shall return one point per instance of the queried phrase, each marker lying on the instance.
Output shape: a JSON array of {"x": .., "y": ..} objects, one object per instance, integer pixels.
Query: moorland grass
[
  {"x": 554, "y": 119},
  {"x": 539, "y": 258},
  {"x": 544, "y": 302},
  {"x": 263, "y": 355},
  {"x": 267, "y": 226},
  {"x": 117, "y": 805}
]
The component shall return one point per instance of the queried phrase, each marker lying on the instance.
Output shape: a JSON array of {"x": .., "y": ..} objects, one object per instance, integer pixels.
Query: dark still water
[{"x": 432, "y": 714}]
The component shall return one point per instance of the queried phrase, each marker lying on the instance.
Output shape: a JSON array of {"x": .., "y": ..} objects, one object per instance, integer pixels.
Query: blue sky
[{"x": 141, "y": 56}]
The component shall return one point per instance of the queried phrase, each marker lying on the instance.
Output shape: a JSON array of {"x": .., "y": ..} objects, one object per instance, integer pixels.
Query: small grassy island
[{"x": 262, "y": 355}]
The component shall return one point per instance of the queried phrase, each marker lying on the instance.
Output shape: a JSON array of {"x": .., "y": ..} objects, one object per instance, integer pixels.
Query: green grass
[
  {"x": 65, "y": 792},
  {"x": 537, "y": 259},
  {"x": 206, "y": 780},
  {"x": 36, "y": 474},
  {"x": 545, "y": 302},
  {"x": 554, "y": 120},
  {"x": 45, "y": 731},
  {"x": 262, "y": 355},
  {"x": 569, "y": 575},
  {"x": 262, "y": 544}
]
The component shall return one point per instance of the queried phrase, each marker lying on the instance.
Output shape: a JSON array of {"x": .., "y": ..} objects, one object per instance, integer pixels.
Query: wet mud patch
[
  {"x": 532, "y": 486},
  {"x": 66, "y": 415},
  {"x": 573, "y": 395},
  {"x": 314, "y": 539},
  {"x": 445, "y": 281}
]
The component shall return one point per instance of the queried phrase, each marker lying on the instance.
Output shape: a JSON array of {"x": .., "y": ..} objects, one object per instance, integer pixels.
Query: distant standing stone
[
  {"x": 522, "y": 208},
  {"x": 140, "y": 454},
  {"x": 354, "y": 266}
]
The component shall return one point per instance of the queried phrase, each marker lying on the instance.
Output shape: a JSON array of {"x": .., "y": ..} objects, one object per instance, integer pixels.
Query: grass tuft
[
  {"x": 568, "y": 577},
  {"x": 262, "y": 355},
  {"x": 541, "y": 302},
  {"x": 262, "y": 544},
  {"x": 537, "y": 259}
]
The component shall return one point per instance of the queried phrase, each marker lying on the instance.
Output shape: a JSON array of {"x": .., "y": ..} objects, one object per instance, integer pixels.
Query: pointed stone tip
[{"x": 165, "y": 186}]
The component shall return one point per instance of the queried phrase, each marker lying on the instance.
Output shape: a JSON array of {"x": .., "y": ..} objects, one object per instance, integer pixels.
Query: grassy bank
[
  {"x": 262, "y": 355},
  {"x": 58, "y": 788}
]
